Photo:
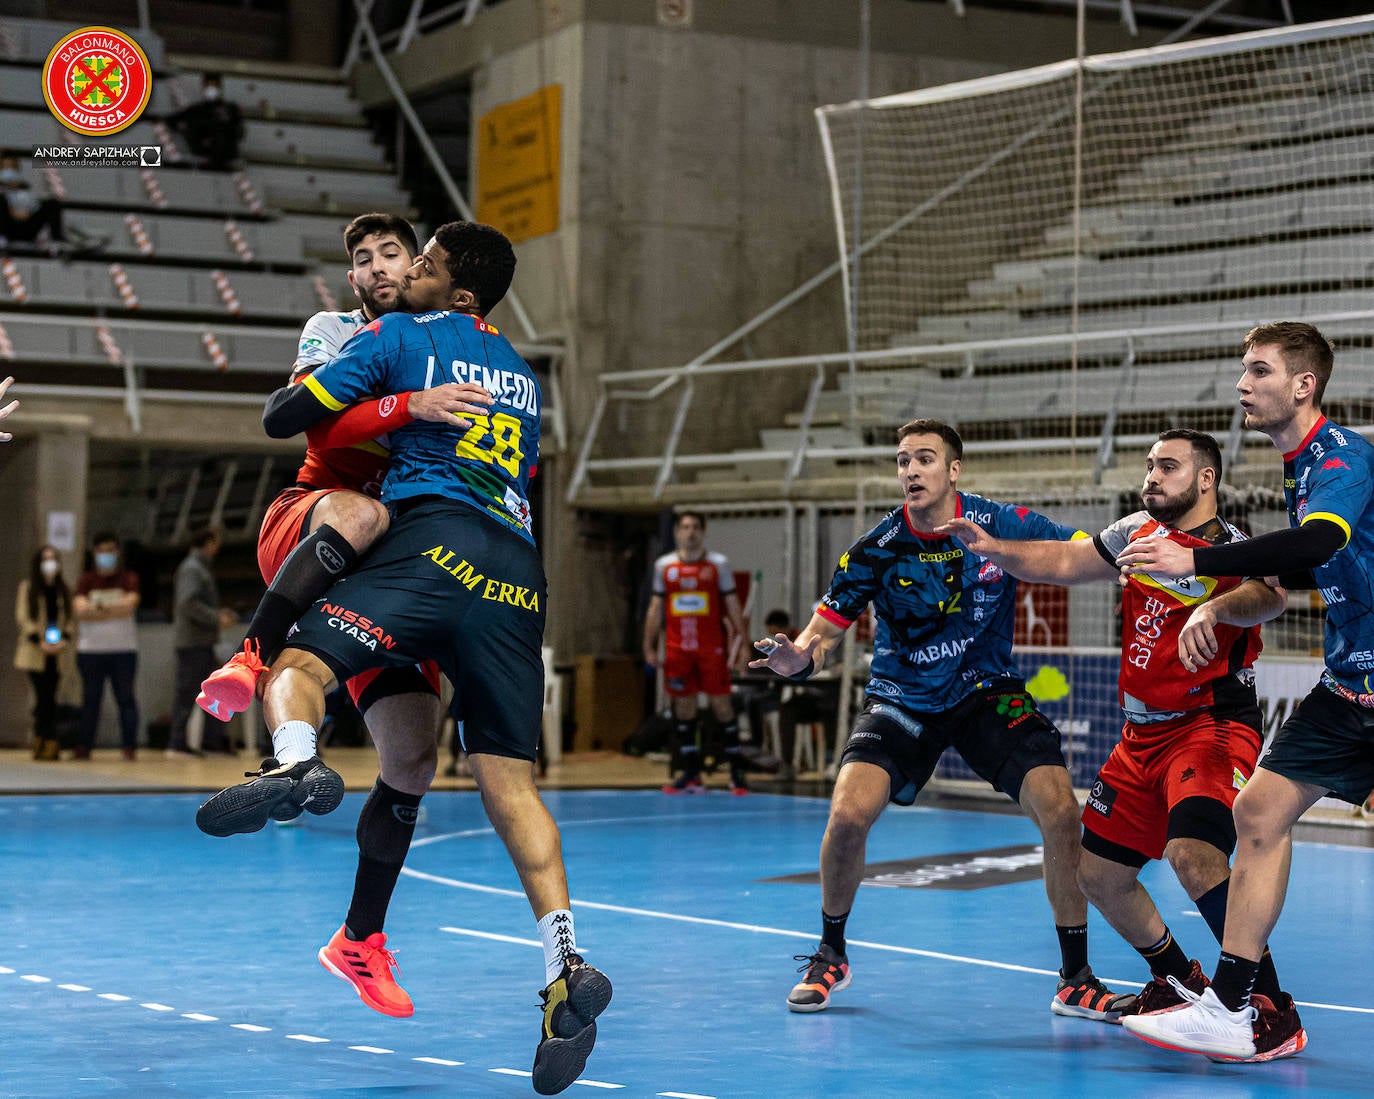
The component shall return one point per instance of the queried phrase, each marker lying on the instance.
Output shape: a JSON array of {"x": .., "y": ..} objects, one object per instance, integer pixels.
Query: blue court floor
[{"x": 141, "y": 958}]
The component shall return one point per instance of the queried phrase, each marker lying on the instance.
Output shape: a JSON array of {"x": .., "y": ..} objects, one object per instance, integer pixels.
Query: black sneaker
[
  {"x": 571, "y": 1005},
  {"x": 1083, "y": 996},
  {"x": 308, "y": 785},
  {"x": 1159, "y": 994},
  {"x": 825, "y": 972}
]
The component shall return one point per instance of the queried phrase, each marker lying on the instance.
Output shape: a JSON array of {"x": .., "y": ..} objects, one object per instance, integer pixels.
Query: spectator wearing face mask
[
  {"x": 106, "y": 599},
  {"x": 26, "y": 220},
  {"x": 213, "y": 127},
  {"x": 46, "y": 619}
]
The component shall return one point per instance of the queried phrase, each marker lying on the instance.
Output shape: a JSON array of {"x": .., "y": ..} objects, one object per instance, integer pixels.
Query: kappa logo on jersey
[
  {"x": 1334, "y": 463},
  {"x": 1021, "y": 513},
  {"x": 374, "y": 327},
  {"x": 359, "y": 628}
]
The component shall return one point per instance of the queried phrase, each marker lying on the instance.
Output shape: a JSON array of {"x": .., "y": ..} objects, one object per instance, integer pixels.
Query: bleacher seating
[
  {"x": 230, "y": 265},
  {"x": 1253, "y": 213}
]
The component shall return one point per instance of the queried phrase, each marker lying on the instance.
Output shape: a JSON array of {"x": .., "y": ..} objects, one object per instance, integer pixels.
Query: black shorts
[
  {"x": 997, "y": 730},
  {"x": 1327, "y": 742},
  {"x": 447, "y": 584}
]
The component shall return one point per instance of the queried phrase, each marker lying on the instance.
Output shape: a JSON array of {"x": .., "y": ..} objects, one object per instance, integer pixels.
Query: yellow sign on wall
[{"x": 517, "y": 165}]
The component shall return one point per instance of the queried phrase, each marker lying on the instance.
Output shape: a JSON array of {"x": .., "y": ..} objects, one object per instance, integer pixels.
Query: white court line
[
  {"x": 114, "y": 997},
  {"x": 436, "y": 1061},
  {"x": 600, "y": 1084},
  {"x": 683, "y": 1095},
  {"x": 758, "y": 929},
  {"x": 5, "y": 969},
  {"x": 157, "y": 1007},
  {"x": 490, "y": 935},
  {"x": 306, "y": 1038},
  {"x": 371, "y": 1049},
  {"x": 252, "y": 1028},
  {"x": 199, "y": 1018},
  {"x": 35, "y": 978},
  {"x": 512, "y": 1072},
  {"x": 564, "y": 824}
]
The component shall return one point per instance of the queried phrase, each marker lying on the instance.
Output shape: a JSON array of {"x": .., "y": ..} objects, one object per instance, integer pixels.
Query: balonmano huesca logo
[{"x": 97, "y": 81}]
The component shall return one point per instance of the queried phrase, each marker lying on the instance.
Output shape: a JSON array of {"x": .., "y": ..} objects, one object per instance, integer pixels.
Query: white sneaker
[{"x": 1202, "y": 1025}]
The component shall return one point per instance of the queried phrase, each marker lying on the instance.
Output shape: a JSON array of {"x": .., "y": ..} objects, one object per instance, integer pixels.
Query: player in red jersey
[
  {"x": 1192, "y": 732},
  {"x": 313, "y": 531},
  {"x": 694, "y": 595}
]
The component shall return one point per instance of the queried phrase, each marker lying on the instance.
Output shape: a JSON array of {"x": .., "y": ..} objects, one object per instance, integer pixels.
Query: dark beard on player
[
  {"x": 1171, "y": 511},
  {"x": 374, "y": 308}
]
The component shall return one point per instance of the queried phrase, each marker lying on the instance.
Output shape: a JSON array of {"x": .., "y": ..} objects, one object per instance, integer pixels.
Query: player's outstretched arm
[
  {"x": 5, "y": 436},
  {"x": 802, "y": 658},
  {"x": 1044, "y": 562},
  {"x": 1250, "y": 604},
  {"x": 444, "y": 404},
  {"x": 1273, "y": 554}
]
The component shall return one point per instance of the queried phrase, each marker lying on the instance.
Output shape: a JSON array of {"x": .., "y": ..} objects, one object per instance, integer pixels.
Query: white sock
[
  {"x": 293, "y": 741},
  {"x": 557, "y": 937}
]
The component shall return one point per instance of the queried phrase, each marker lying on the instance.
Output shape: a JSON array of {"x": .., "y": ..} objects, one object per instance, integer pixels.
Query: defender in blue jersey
[
  {"x": 1327, "y": 745},
  {"x": 457, "y": 579},
  {"x": 943, "y": 676}
]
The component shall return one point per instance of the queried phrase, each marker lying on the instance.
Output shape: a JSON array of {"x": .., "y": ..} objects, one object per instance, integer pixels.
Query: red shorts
[
  {"x": 1155, "y": 767},
  {"x": 283, "y": 527},
  {"x": 687, "y": 673}
]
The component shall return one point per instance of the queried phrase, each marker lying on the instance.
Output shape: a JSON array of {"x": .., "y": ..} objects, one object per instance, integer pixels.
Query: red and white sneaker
[
  {"x": 367, "y": 966},
  {"x": 230, "y": 689}
]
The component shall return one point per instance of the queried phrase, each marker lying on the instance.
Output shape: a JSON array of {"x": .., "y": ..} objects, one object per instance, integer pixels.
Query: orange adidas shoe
[
  {"x": 230, "y": 689},
  {"x": 367, "y": 967}
]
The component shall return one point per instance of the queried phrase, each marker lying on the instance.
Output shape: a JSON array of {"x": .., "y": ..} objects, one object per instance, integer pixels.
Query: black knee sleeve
[
  {"x": 1204, "y": 819},
  {"x": 386, "y": 824}
]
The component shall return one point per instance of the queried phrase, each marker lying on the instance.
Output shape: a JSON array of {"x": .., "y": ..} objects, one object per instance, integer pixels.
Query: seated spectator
[
  {"x": 213, "y": 127},
  {"x": 25, "y": 219}
]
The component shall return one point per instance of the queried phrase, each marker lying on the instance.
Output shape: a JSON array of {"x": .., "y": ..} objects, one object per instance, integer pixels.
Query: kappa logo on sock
[
  {"x": 406, "y": 814},
  {"x": 329, "y": 557}
]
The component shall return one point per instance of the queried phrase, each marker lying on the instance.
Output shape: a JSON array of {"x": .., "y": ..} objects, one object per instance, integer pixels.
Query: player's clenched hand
[
  {"x": 5, "y": 436},
  {"x": 1160, "y": 557},
  {"x": 971, "y": 534},
  {"x": 448, "y": 403},
  {"x": 1197, "y": 641},
  {"x": 782, "y": 655}
]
